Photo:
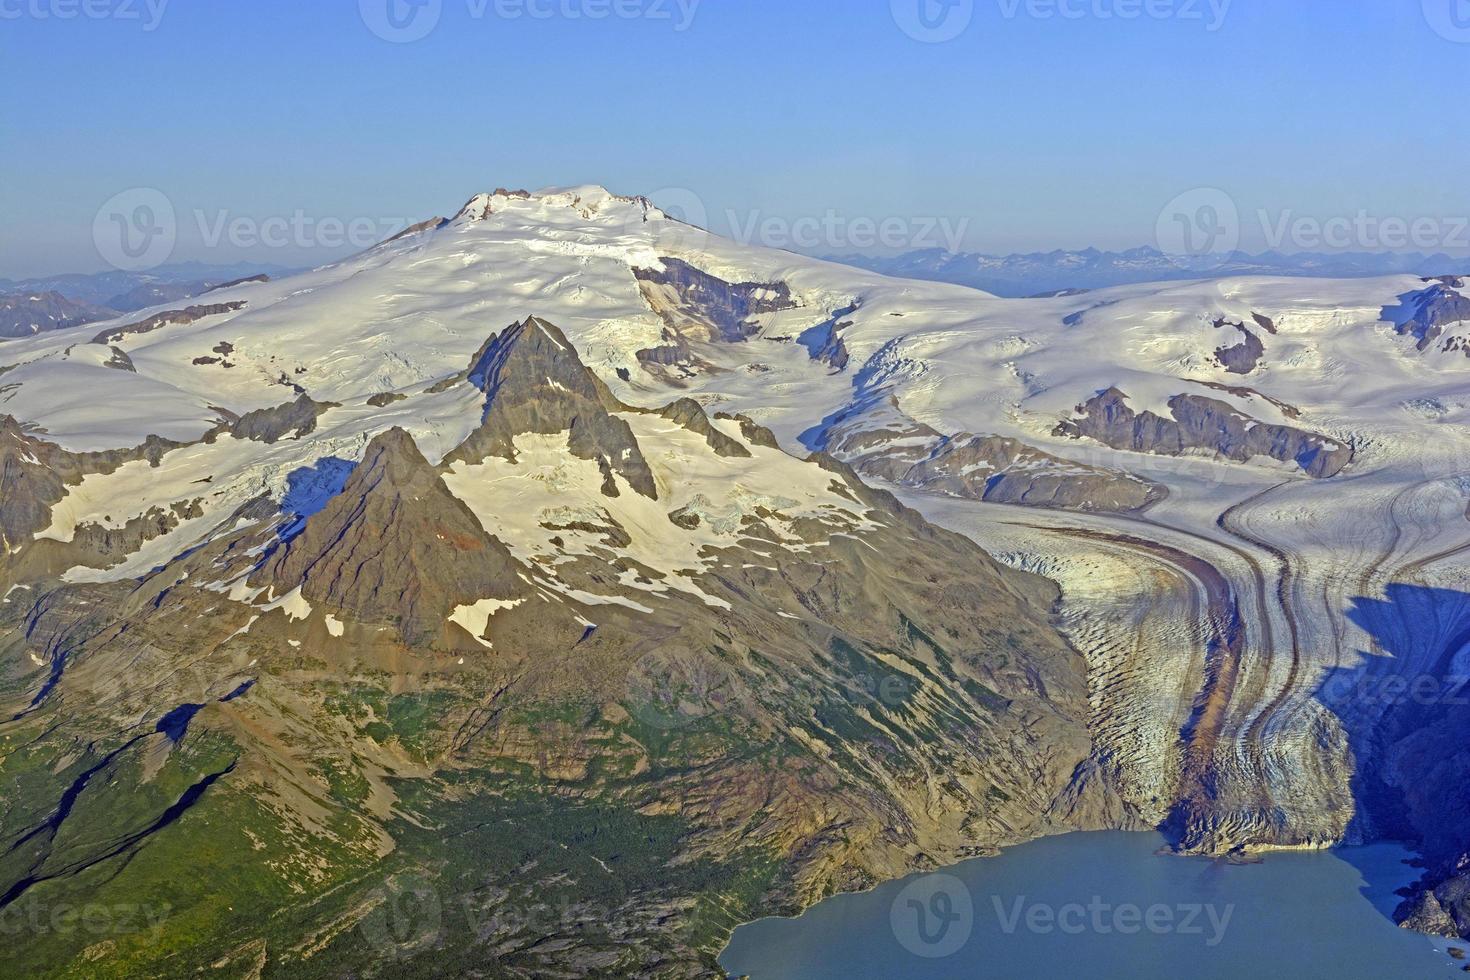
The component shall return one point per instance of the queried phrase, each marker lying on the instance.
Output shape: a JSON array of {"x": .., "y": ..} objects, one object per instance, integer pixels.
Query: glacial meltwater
[{"x": 1108, "y": 906}]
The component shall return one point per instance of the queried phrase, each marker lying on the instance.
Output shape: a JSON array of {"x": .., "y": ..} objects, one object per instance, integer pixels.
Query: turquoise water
[{"x": 1107, "y": 906}]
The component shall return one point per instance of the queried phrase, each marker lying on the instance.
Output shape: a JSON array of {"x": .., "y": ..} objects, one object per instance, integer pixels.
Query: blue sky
[{"x": 1031, "y": 129}]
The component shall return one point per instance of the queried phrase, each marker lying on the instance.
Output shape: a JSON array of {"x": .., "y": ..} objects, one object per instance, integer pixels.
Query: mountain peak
[
  {"x": 394, "y": 547},
  {"x": 587, "y": 199},
  {"x": 534, "y": 383}
]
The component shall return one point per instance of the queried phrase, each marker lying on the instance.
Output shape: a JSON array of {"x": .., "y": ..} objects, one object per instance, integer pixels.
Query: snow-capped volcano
[{"x": 789, "y": 340}]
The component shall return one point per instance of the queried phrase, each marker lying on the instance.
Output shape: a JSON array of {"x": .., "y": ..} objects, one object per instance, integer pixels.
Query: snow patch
[
  {"x": 475, "y": 619},
  {"x": 293, "y": 604}
]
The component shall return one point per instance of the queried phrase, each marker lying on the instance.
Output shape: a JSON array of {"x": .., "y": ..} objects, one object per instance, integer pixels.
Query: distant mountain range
[
  {"x": 1050, "y": 273},
  {"x": 32, "y": 306}
]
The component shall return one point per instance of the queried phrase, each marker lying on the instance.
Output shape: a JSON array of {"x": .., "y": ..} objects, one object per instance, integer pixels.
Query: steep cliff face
[
  {"x": 1007, "y": 471},
  {"x": 1406, "y": 716},
  {"x": 158, "y": 321},
  {"x": 534, "y": 383},
  {"x": 33, "y": 477},
  {"x": 697, "y": 305}
]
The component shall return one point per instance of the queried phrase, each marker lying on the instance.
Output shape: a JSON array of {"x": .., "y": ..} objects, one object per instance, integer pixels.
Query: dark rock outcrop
[
  {"x": 690, "y": 414},
  {"x": 690, "y": 298},
  {"x": 1425, "y": 914},
  {"x": 242, "y": 281},
  {"x": 271, "y": 425},
  {"x": 1207, "y": 424},
  {"x": 824, "y": 341},
  {"x": 1244, "y": 357},
  {"x": 1241, "y": 391},
  {"x": 1425, "y": 314},
  {"x": 534, "y": 382},
  {"x": 120, "y": 361},
  {"x": 977, "y": 467},
  {"x": 1007, "y": 471},
  {"x": 431, "y": 224},
  {"x": 35, "y": 475},
  {"x": 752, "y": 432},
  {"x": 170, "y": 318}
]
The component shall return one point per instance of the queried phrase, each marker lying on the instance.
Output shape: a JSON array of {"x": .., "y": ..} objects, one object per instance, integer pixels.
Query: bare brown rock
[{"x": 394, "y": 548}]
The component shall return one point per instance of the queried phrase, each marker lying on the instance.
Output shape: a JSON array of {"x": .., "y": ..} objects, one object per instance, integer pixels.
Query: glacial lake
[{"x": 1106, "y": 905}]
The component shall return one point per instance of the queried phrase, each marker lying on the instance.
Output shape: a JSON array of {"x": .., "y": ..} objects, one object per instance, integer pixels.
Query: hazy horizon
[{"x": 858, "y": 131}]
